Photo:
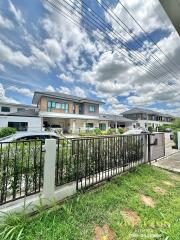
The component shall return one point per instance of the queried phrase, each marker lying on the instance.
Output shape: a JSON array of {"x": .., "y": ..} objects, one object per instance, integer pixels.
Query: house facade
[
  {"x": 57, "y": 110},
  {"x": 145, "y": 118},
  {"x": 72, "y": 114},
  {"x": 20, "y": 116}
]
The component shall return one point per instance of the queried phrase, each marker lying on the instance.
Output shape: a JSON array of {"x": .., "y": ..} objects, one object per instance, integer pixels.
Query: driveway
[
  {"x": 168, "y": 145},
  {"x": 171, "y": 162}
]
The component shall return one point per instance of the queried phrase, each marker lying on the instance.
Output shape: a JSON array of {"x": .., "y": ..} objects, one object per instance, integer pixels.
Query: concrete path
[
  {"x": 168, "y": 145},
  {"x": 171, "y": 162}
]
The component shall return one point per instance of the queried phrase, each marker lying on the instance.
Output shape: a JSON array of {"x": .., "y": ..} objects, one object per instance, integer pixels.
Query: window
[
  {"x": 58, "y": 105},
  {"x": 5, "y": 109},
  {"x": 53, "y": 104},
  {"x": 80, "y": 108},
  {"x": 20, "y": 109},
  {"x": 91, "y": 108},
  {"x": 19, "y": 126},
  {"x": 102, "y": 126},
  {"x": 89, "y": 125},
  {"x": 74, "y": 106},
  {"x": 62, "y": 106}
]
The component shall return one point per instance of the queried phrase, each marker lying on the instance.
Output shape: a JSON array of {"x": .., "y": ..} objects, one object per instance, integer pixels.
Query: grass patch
[{"x": 77, "y": 218}]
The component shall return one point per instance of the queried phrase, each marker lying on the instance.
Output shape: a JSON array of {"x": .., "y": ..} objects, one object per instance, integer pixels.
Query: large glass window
[
  {"x": 19, "y": 126},
  {"x": 89, "y": 125},
  {"x": 102, "y": 126},
  {"x": 91, "y": 108},
  {"x": 20, "y": 109},
  {"x": 62, "y": 106},
  {"x": 5, "y": 109}
]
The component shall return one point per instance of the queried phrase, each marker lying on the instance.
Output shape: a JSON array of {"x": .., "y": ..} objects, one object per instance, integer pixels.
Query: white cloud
[
  {"x": 3, "y": 97},
  {"x": 50, "y": 88},
  {"x": 2, "y": 68},
  {"x": 23, "y": 91},
  {"x": 17, "y": 13},
  {"x": 16, "y": 58},
  {"x": 66, "y": 77},
  {"x": 79, "y": 92},
  {"x": 5, "y": 23},
  {"x": 65, "y": 90}
]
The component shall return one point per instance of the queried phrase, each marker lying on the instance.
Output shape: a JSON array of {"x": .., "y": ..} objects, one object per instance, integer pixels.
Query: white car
[
  {"x": 30, "y": 136},
  {"x": 136, "y": 131}
]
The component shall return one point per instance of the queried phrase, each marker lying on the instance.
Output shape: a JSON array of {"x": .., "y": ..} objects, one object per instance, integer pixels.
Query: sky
[{"x": 104, "y": 55}]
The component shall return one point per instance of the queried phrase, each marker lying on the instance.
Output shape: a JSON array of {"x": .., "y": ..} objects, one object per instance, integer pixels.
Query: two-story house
[
  {"x": 70, "y": 113},
  {"x": 146, "y": 117}
]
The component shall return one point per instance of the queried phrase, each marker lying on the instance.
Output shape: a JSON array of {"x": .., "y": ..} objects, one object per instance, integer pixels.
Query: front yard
[{"x": 143, "y": 204}]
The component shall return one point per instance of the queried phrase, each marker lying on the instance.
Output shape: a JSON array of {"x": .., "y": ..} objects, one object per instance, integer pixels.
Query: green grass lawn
[{"x": 79, "y": 218}]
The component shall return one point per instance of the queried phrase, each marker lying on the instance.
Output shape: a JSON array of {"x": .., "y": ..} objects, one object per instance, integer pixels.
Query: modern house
[
  {"x": 73, "y": 114},
  {"x": 57, "y": 110},
  {"x": 145, "y": 118},
  {"x": 20, "y": 116}
]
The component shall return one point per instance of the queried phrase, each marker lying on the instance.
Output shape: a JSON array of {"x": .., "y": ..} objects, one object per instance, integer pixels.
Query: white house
[
  {"x": 146, "y": 117},
  {"x": 20, "y": 116}
]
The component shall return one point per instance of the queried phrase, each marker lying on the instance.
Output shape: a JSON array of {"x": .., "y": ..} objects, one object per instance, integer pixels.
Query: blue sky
[{"x": 41, "y": 50}]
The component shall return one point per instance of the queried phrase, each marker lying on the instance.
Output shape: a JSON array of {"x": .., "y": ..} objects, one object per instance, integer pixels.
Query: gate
[{"x": 156, "y": 146}]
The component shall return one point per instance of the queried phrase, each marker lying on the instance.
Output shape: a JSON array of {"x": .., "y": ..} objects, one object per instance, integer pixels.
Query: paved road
[{"x": 171, "y": 162}]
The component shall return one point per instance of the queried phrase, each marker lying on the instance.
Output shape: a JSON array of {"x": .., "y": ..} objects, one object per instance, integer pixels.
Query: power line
[
  {"x": 69, "y": 17},
  {"x": 139, "y": 41},
  {"x": 147, "y": 35},
  {"x": 78, "y": 22}
]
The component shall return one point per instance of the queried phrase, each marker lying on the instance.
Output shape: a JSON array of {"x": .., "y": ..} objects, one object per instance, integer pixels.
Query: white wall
[
  {"x": 150, "y": 123},
  {"x": 13, "y": 108},
  {"x": 34, "y": 123}
]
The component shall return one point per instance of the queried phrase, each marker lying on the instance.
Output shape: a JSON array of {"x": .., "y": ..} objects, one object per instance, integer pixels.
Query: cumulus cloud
[
  {"x": 4, "y": 98},
  {"x": 66, "y": 77},
  {"x": 16, "y": 58},
  {"x": 65, "y": 90},
  {"x": 50, "y": 88},
  {"x": 23, "y": 91},
  {"x": 79, "y": 92}
]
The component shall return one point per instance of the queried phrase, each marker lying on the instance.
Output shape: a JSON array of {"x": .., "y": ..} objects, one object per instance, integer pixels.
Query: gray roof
[
  {"x": 17, "y": 104},
  {"x": 147, "y": 111},
  {"x": 26, "y": 113},
  {"x": 111, "y": 117},
  {"x": 38, "y": 95}
]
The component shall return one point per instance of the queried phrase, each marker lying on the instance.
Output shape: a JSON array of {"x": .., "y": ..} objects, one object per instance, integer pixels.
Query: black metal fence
[
  {"x": 88, "y": 161},
  {"x": 21, "y": 165},
  {"x": 100, "y": 158},
  {"x": 65, "y": 162}
]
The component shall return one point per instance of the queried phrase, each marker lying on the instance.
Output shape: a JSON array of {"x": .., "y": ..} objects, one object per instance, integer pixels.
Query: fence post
[
  {"x": 145, "y": 148},
  {"x": 49, "y": 169},
  {"x": 149, "y": 148},
  {"x": 178, "y": 136}
]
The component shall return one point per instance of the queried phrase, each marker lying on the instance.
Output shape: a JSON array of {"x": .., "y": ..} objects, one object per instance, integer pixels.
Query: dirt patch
[
  {"x": 130, "y": 217},
  {"x": 159, "y": 190},
  {"x": 167, "y": 183},
  {"x": 175, "y": 177},
  {"x": 103, "y": 233},
  {"x": 148, "y": 201}
]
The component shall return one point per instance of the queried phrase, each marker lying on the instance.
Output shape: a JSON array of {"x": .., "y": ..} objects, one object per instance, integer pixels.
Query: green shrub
[
  {"x": 150, "y": 129},
  {"x": 121, "y": 130},
  {"x": 4, "y": 132},
  {"x": 111, "y": 131},
  {"x": 104, "y": 133},
  {"x": 175, "y": 137},
  {"x": 98, "y": 131}
]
